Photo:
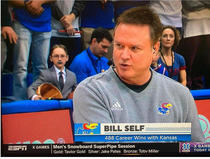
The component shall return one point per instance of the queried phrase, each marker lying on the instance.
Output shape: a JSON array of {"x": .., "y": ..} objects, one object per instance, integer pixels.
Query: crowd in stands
[{"x": 83, "y": 31}]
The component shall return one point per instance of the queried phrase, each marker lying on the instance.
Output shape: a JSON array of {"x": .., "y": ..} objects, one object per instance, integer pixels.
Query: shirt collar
[
  {"x": 92, "y": 56},
  {"x": 57, "y": 70}
]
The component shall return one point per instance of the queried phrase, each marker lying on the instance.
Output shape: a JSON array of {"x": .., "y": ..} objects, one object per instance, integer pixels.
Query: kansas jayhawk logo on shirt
[{"x": 164, "y": 109}]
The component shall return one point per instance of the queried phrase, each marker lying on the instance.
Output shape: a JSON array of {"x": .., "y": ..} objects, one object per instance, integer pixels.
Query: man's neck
[
  {"x": 91, "y": 49},
  {"x": 137, "y": 88},
  {"x": 92, "y": 52},
  {"x": 141, "y": 80}
]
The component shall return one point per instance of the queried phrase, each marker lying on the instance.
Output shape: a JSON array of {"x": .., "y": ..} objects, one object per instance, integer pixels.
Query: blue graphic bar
[{"x": 132, "y": 138}]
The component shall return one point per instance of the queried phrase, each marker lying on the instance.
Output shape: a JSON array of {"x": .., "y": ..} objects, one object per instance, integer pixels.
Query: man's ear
[
  {"x": 94, "y": 41},
  {"x": 156, "y": 46},
  {"x": 67, "y": 58},
  {"x": 51, "y": 58}
]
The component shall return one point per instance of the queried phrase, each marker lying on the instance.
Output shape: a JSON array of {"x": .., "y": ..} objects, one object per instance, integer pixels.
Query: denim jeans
[{"x": 36, "y": 43}]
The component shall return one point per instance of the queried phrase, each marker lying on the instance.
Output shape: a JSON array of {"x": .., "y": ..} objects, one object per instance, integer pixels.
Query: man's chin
[
  {"x": 101, "y": 55},
  {"x": 59, "y": 66},
  {"x": 123, "y": 73}
]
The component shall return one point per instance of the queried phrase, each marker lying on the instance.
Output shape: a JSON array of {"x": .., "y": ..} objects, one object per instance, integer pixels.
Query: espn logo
[{"x": 17, "y": 148}]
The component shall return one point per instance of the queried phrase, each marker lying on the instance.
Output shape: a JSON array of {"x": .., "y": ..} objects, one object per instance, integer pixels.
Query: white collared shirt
[{"x": 58, "y": 73}]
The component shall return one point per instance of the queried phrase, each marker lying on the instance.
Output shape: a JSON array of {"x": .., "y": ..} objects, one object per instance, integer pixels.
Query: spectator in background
[
  {"x": 32, "y": 25},
  {"x": 65, "y": 17},
  {"x": 91, "y": 61},
  {"x": 121, "y": 6},
  {"x": 195, "y": 44},
  {"x": 7, "y": 33},
  {"x": 97, "y": 14},
  {"x": 169, "y": 11},
  {"x": 173, "y": 62},
  {"x": 58, "y": 56},
  {"x": 132, "y": 92},
  {"x": 157, "y": 66}
]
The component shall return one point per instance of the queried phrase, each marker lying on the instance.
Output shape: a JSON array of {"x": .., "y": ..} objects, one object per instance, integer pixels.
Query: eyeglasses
[{"x": 57, "y": 56}]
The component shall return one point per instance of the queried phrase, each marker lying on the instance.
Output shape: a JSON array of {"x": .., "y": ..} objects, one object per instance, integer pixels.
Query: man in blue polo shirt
[{"x": 91, "y": 61}]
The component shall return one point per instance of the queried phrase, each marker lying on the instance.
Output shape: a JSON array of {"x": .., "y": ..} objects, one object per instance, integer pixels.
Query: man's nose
[
  {"x": 125, "y": 53},
  {"x": 106, "y": 50}
]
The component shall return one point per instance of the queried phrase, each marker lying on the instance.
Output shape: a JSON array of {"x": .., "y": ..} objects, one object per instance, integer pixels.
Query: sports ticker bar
[{"x": 107, "y": 149}]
